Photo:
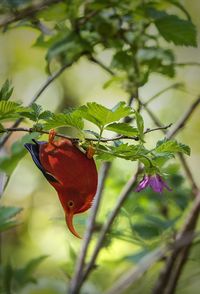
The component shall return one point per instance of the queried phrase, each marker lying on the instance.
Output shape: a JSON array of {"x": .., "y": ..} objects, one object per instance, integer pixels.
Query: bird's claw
[
  {"x": 90, "y": 152},
  {"x": 52, "y": 135}
]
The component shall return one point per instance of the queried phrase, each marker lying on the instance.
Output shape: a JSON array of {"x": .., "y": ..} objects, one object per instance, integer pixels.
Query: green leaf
[
  {"x": 140, "y": 124},
  {"x": 122, "y": 129},
  {"x": 171, "y": 146},
  {"x": 25, "y": 275},
  {"x": 7, "y": 213},
  {"x": 71, "y": 47},
  {"x": 101, "y": 116},
  {"x": 6, "y": 91},
  {"x": 176, "y": 30},
  {"x": 125, "y": 151},
  {"x": 156, "y": 59},
  {"x": 35, "y": 113},
  {"x": 73, "y": 119},
  {"x": 146, "y": 231},
  {"x": 9, "y": 110},
  {"x": 1, "y": 128}
]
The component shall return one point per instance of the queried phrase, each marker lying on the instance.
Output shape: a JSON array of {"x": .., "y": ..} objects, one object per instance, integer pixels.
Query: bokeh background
[{"x": 42, "y": 230}]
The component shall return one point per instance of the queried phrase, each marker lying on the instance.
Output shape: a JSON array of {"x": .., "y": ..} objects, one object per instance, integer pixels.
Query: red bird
[{"x": 71, "y": 172}]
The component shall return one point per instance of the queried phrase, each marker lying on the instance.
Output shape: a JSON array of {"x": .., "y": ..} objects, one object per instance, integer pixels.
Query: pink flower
[{"x": 155, "y": 181}]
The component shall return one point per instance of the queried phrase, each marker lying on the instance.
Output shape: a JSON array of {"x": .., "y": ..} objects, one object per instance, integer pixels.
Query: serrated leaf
[
  {"x": 45, "y": 115},
  {"x": 177, "y": 30},
  {"x": 101, "y": 116},
  {"x": 72, "y": 119},
  {"x": 122, "y": 129},
  {"x": 171, "y": 147},
  {"x": 125, "y": 151},
  {"x": 6, "y": 91},
  {"x": 9, "y": 109}
]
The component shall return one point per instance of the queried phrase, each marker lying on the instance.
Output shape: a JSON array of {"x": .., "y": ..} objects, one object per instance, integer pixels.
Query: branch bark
[
  {"x": 107, "y": 225},
  {"x": 90, "y": 227},
  {"x": 27, "y": 12},
  {"x": 177, "y": 259},
  {"x": 183, "y": 120},
  {"x": 31, "y": 130},
  {"x": 168, "y": 278}
]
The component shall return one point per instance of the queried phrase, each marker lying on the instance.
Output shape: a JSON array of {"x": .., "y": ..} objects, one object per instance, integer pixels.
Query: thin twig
[
  {"x": 102, "y": 65},
  {"x": 181, "y": 123},
  {"x": 184, "y": 163},
  {"x": 90, "y": 227},
  {"x": 27, "y": 12},
  {"x": 182, "y": 64},
  {"x": 49, "y": 80},
  {"x": 31, "y": 130},
  {"x": 188, "y": 172},
  {"x": 173, "y": 86}
]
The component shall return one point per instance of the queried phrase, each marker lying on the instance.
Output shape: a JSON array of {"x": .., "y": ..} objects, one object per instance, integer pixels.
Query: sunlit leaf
[
  {"x": 171, "y": 146},
  {"x": 6, "y": 90},
  {"x": 101, "y": 116},
  {"x": 122, "y": 128},
  {"x": 176, "y": 30},
  {"x": 73, "y": 119},
  {"x": 9, "y": 110}
]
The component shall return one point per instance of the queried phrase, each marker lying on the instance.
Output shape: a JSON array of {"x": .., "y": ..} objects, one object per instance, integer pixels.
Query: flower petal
[
  {"x": 143, "y": 183},
  {"x": 156, "y": 184}
]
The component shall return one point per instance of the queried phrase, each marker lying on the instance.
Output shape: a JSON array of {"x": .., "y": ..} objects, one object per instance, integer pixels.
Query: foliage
[{"x": 139, "y": 36}]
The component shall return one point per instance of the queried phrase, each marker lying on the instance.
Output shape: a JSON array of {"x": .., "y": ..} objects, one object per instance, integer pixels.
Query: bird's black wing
[{"x": 34, "y": 151}]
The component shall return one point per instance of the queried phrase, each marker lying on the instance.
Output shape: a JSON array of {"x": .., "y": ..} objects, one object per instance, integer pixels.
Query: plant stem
[{"x": 27, "y": 12}]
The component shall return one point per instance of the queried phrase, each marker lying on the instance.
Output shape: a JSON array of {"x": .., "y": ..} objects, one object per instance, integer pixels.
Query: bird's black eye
[{"x": 70, "y": 203}]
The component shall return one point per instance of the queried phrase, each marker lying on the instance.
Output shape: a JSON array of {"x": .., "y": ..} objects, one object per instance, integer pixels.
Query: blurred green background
[{"x": 42, "y": 229}]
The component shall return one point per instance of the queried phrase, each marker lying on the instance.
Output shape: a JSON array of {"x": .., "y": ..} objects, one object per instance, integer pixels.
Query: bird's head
[{"x": 73, "y": 202}]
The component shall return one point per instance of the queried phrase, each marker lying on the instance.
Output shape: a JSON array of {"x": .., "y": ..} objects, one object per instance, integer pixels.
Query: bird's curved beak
[{"x": 69, "y": 221}]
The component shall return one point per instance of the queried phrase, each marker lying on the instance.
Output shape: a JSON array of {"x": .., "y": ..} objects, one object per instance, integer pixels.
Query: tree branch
[
  {"x": 169, "y": 276},
  {"x": 173, "y": 86},
  {"x": 90, "y": 227},
  {"x": 75, "y": 284},
  {"x": 170, "y": 136},
  {"x": 27, "y": 12},
  {"x": 107, "y": 225},
  {"x": 31, "y": 130},
  {"x": 49, "y": 80},
  {"x": 132, "y": 275},
  {"x": 181, "y": 123},
  {"x": 181, "y": 256}
]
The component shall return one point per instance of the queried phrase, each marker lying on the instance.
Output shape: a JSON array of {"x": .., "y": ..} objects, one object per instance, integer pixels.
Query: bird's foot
[
  {"x": 52, "y": 135},
  {"x": 90, "y": 151}
]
